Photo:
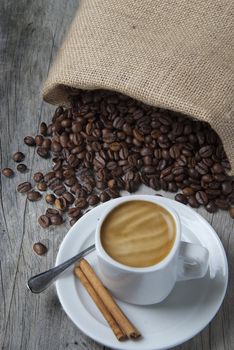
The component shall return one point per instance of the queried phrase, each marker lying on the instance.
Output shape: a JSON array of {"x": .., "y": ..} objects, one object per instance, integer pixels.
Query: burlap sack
[{"x": 173, "y": 54}]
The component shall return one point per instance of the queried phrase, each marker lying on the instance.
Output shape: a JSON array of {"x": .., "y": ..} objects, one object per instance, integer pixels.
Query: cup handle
[{"x": 193, "y": 261}]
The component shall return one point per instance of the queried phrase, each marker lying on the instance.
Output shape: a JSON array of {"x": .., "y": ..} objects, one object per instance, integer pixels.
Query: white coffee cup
[{"x": 150, "y": 285}]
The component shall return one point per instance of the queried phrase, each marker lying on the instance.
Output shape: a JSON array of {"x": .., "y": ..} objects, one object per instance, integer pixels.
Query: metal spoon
[{"x": 40, "y": 282}]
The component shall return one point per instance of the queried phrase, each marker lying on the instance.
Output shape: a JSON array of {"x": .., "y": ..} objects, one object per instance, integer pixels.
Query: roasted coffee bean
[
  {"x": 22, "y": 168},
  {"x": 206, "y": 151},
  {"x": 52, "y": 212},
  {"x": 201, "y": 197},
  {"x": 93, "y": 200},
  {"x": 231, "y": 212},
  {"x": 172, "y": 187},
  {"x": 211, "y": 207},
  {"x": 37, "y": 177},
  {"x": 18, "y": 157},
  {"x": 201, "y": 168},
  {"x": 59, "y": 174},
  {"x": 53, "y": 183},
  {"x": 104, "y": 196},
  {"x": 24, "y": 187},
  {"x": 56, "y": 219},
  {"x": 207, "y": 178},
  {"x": 56, "y": 147},
  {"x": 46, "y": 144},
  {"x": 69, "y": 197},
  {"x": 81, "y": 203},
  {"x": 39, "y": 140},
  {"x": 227, "y": 187},
  {"x": 74, "y": 212},
  {"x": 44, "y": 221},
  {"x": 71, "y": 181},
  {"x": 193, "y": 202},
  {"x": 43, "y": 152},
  {"x": 59, "y": 190},
  {"x": 181, "y": 198},
  {"x": 113, "y": 193},
  {"x": 220, "y": 177},
  {"x": 60, "y": 203},
  {"x": 138, "y": 135},
  {"x": 50, "y": 198},
  {"x": 49, "y": 176},
  {"x": 39, "y": 248},
  {"x": 43, "y": 129},
  {"x": 42, "y": 186},
  {"x": 33, "y": 196},
  {"x": 221, "y": 203},
  {"x": 29, "y": 141},
  {"x": 174, "y": 151},
  {"x": 217, "y": 168},
  {"x": 188, "y": 191},
  {"x": 8, "y": 172}
]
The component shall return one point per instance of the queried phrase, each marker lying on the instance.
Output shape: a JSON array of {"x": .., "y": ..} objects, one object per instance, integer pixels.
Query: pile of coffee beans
[{"x": 107, "y": 142}]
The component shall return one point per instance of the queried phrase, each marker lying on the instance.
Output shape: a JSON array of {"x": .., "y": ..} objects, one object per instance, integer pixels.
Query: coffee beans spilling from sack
[{"x": 107, "y": 142}]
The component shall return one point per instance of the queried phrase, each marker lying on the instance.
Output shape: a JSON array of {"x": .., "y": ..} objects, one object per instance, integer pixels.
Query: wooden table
[{"x": 31, "y": 33}]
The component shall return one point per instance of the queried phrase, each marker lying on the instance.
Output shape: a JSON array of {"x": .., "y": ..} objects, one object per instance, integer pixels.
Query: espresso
[{"x": 138, "y": 233}]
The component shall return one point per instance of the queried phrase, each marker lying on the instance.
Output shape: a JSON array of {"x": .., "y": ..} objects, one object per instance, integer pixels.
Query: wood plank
[{"x": 31, "y": 32}]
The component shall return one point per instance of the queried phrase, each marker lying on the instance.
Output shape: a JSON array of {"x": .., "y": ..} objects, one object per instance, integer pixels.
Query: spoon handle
[{"x": 40, "y": 282}]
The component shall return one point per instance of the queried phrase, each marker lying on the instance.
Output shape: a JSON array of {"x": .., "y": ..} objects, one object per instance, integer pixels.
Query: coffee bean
[
  {"x": 221, "y": 203},
  {"x": 71, "y": 181},
  {"x": 104, "y": 196},
  {"x": 56, "y": 147},
  {"x": 60, "y": 203},
  {"x": 81, "y": 203},
  {"x": 220, "y": 177},
  {"x": 43, "y": 129},
  {"x": 8, "y": 172},
  {"x": 93, "y": 200},
  {"x": 42, "y": 186},
  {"x": 22, "y": 168},
  {"x": 39, "y": 140},
  {"x": 174, "y": 151},
  {"x": 39, "y": 248},
  {"x": 52, "y": 212},
  {"x": 217, "y": 168},
  {"x": 181, "y": 198},
  {"x": 206, "y": 151},
  {"x": 201, "y": 168},
  {"x": 24, "y": 187},
  {"x": 37, "y": 177},
  {"x": 56, "y": 219},
  {"x": 29, "y": 141},
  {"x": 193, "y": 202},
  {"x": 46, "y": 144},
  {"x": 188, "y": 191},
  {"x": 53, "y": 183},
  {"x": 68, "y": 197},
  {"x": 44, "y": 221},
  {"x": 74, "y": 212},
  {"x": 226, "y": 187},
  {"x": 18, "y": 157},
  {"x": 49, "y": 176},
  {"x": 33, "y": 196},
  {"x": 231, "y": 212},
  {"x": 138, "y": 135},
  {"x": 201, "y": 197},
  {"x": 43, "y": 152},
  {"x": 50, "y": 198},
  {"x": 59, "y": 190},
  {"x": 211, "y": 207}
]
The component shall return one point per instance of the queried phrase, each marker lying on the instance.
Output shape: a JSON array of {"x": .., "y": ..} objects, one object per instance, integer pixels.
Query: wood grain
[{"x": 30, "y": 34}]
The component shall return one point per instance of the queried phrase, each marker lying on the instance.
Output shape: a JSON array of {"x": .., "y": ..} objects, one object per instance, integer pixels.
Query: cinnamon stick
[
  {"x": 107, "y": 315},
  {"x": 108, "y": 301}
]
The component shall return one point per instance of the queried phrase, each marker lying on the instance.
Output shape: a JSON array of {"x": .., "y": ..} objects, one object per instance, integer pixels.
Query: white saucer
[{"x": 187, "y": 310}]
